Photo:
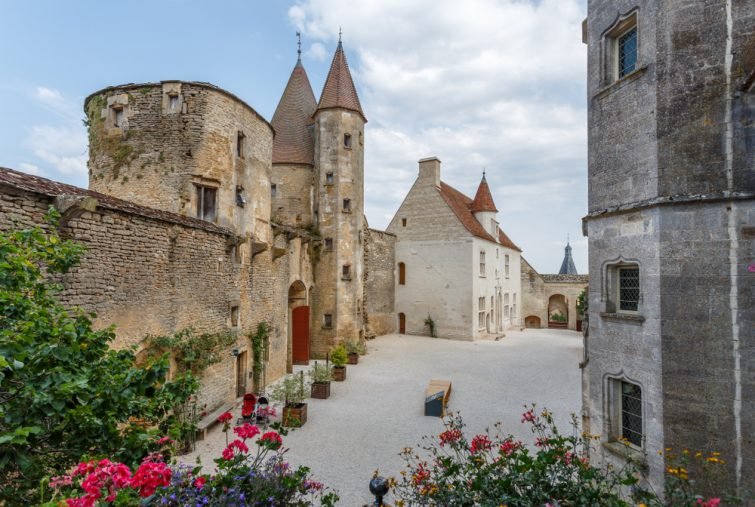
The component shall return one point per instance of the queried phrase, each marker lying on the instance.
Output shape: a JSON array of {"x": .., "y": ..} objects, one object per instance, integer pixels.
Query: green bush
[{"x": 338, "y": 356}]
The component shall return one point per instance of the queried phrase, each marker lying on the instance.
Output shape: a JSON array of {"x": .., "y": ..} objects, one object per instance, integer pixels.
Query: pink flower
[
  {"x": 751, "y": 269},
  {"x": 713, "y": 502},
  {"x": 541, "y": 442},
  {"x": 480, "y": 443},
  {"x": 528, "y": 416},
  {"x": 246, "y": 431},
  {"x": 149, "y": 476},
  {"x": 271, "y": 440},
  {"x": 165, "y": 441},
  {"x": 84, "y": 501},
  {"x": 509, "y": 446},
  {"x": 60, "y": 481},
  {"x": 200, "y": 482},
  {"x": 225, "y": 417},
  {"x": 228, "y": 452},
  {"x": 449, "y": 437}
]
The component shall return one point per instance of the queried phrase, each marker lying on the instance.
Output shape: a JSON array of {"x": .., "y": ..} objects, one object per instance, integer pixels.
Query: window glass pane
[
  {"x": 629, "y": 289},
  {"x": 627, "y": 52},
  {"x": 631, "y": 413}
]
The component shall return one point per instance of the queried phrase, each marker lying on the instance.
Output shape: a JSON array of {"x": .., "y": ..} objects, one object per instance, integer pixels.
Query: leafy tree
[{"x": 64, "y": 393}]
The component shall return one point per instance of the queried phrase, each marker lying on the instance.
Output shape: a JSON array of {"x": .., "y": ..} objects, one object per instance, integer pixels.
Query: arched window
[{"x": 401, "y": 273}]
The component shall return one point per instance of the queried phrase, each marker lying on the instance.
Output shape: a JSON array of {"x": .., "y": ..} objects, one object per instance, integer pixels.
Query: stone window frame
[
  {"x": 506, "y": 307},
  {"x": 273, "y": 190},
  {"x": 613, "y": 416},
  {"x": 328, "y": 244},
  {"x": 329, "y": 178},
  {"x": 327, "y": 321},
  {"x": 481, "y": 312},
  {"x": 346, "y": 272},
  {"x": 506, "y": 265},
  {"x": 174, "y": 102},
  {"x": 403, "y": 222},
  {"x": 346, "y": 205},
  {"x": 202, "y": 185},
  {"x": 347, "y": 141},
  {"x": 482, "y": 263},
  {"x": 240, "y": 144},
  {"x": 234, "y": 315},
  {"x": 623, "y": 25},
  {"x": 610, "y": 289}
]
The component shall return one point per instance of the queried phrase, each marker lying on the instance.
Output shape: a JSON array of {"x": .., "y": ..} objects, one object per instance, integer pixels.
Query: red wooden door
[{"x": 300, "y": 335}]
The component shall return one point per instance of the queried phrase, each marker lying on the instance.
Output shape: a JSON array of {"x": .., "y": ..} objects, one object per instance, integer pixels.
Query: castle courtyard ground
[{"x": 378, "y": 410}]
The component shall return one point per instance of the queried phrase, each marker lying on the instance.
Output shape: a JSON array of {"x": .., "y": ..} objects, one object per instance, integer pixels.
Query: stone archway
[
  {"x": 532, "y": 322},
  {"x": 558, "y": 312},
  {"x": 298, "y": 320}
]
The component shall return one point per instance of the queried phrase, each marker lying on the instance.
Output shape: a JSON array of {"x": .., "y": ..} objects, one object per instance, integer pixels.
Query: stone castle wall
[
  {"x": 380, "y": 282},
  {"x": 292, "y": 202}
]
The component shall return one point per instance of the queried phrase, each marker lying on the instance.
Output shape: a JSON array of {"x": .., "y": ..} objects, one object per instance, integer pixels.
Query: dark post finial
[
  {"x": 483, "y": 171},
  {"x": 298, "y": 51},
  {"x": 379, "y": 487},
  {"x": 340, "y": 32}
]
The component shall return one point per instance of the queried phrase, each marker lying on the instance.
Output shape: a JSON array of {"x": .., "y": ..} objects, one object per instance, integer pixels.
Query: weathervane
[
  {"x": 298, "y": 51},
  {"x": 339, "y": 34}
]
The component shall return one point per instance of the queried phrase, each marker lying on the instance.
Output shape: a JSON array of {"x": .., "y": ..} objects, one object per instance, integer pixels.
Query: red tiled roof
[
  {"x": 483, "y": 201},
  {"x": 339, "y": 89},
  {"x": 293, "y": 142},
  {"x": 49, "y": 188},
  {"x": 461, "y": 205}
]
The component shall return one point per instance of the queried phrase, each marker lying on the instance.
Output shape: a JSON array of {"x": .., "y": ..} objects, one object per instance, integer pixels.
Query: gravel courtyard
[{"x": 378, "y": 411}]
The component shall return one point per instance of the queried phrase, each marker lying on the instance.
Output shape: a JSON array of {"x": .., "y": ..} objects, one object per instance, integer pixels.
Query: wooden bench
[
  {"x": 436, "y": 397},
  {"x": 210, "y": 420}
]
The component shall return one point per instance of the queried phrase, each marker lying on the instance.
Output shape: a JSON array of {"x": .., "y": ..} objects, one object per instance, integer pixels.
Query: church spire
[
  {"x": 293, "y": 143},
  {"x": 567, "y": 266},
  {"x": 483, "y": 200},
  {"x": 339, "y": 90}
]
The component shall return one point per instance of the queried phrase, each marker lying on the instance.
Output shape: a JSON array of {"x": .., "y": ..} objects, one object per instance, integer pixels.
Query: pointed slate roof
[
  {"x": 293, "y": 142},
  {"x": 567, "y": 266},
  {"x": 461, "y": 205},
  {"x": 483, "y": 201},
  {"x": 339, "y": 89}
]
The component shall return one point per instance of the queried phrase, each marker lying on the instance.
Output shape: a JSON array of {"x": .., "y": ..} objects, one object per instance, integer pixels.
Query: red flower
[
  {"x": 200, "y": 482},
  {"x": 449, "y": 437},
  {"x": 271, "y": 440},
  {"x": 149, "y": 476},
  {"x": 228, "y": 452},
  {"x": 528, "y": 416},
  {"x": 509, "y": 446},
  {"x": 225, "y": 417},
  {"x": 480, "y": 443},
  {"x": 541, "y": 441},
  {"x": 421, "y": 475},
  {"x": 165, "y": 441},
  {"x": 246, "y": 431}
]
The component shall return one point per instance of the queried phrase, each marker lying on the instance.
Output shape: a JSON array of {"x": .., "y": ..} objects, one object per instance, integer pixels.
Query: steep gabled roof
[
  {"x": 293, "y": 142},
  {"x": 339, "y": 90},
  {"x": 483, "y": 201},
  {"x": 461, "y": 205}
]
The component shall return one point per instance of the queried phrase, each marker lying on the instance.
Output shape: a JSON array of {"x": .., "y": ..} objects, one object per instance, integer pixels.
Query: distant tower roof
[
  {"x": 293, "y": 142},
  {"x": 339, "y": 89},
  {"x": 568, "y": 267},
  {"x": 483, "y": 201}
]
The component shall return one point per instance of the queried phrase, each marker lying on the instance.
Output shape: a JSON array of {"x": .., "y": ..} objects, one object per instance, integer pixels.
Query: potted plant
[
  {"x": 290, "y": 393},
  {"x": 354, "y": 349},
  {"x": 339, "y": 357},
  {"x": 320, "y": 376}
]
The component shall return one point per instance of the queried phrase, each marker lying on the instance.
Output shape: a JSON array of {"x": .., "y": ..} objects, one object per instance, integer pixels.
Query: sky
[{"x": 494, "y": 85}]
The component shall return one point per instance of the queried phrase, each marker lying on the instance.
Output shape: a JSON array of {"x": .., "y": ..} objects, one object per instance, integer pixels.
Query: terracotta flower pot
[{"x": 321, "y": 390}]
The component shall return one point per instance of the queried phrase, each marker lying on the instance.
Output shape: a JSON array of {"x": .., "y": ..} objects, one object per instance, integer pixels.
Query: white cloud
[
  {"x": 64, "y": 148},
  {"x": 52, "y": 100},
  {"x": 317, "y": 51},
  {"x": 30, "y": 169},
  {"x": 481, "y": 83}
]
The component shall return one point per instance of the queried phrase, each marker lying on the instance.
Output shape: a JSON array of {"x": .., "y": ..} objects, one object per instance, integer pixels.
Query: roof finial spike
[
  {"x": 298, "y": 43},
  {"x": 567, "y": 238},
  {"x": 340, "y": 33},
  {"x": 483, "y": 172}
]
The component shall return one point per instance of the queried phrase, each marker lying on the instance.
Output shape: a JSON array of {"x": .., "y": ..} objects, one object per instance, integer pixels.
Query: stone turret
[
  {"x": 484, "y": 208},
  {"x": 567, "y": 266},
  {"x": 338, "y": 209}
]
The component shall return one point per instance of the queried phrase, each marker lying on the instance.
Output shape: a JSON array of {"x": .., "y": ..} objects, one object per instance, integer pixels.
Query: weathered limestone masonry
[
  {"x": 379, "y": 282},
  {"x": 543, "y": 294},
  {"x": 144, "y": 270},
  {"x": 671, "y": 227}
]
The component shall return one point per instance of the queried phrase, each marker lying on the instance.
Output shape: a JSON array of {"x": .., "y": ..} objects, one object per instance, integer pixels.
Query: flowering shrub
[
  {"x": 244, "y": 476},
  {"x": 496, "y": 469}
]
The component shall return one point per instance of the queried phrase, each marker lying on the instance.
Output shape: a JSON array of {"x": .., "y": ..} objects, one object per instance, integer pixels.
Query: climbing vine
[
  {"x": 192, "y": 351},
  {"x": 259, "y": 342}
]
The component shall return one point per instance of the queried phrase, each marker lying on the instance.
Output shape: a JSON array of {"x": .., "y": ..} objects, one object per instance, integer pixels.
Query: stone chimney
[{"x": 429, "y": 169}]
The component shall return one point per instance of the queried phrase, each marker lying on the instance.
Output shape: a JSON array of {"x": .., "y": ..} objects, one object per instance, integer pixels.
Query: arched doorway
[
  {"x": 532, "y": 322},
  {"x": 558, "y": 312},
  {"x": 401, "y": 323},
  {"x": 298, "y": 323}
]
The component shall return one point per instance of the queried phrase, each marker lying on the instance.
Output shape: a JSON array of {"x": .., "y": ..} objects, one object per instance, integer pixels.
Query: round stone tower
[{"x": 184, "y": 147}]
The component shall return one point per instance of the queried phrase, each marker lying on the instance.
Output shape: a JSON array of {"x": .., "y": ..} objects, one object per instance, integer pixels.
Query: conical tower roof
[
  {"x": 293, "y": 142},
  {"x": 339, "y": 90},
  {"x": 567, "y": 266},
  {"x": 483, "y": 201}
]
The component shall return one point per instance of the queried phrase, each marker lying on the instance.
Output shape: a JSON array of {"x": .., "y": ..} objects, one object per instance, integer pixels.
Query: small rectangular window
[
  {"x": 206, "y": 203},
  {"x": 234, "y": 316},
  {"x": 173, "y": 102},
  {"x": 401, "y": 273},
  {"x": 328, "y": 244},
  {"x": 273, "y": 190},
  {"x": 327, "y": 320},
  {"x": 627, "y": 51},
  {"x": 240, "y": 197},
  {"x": 629, "y": 289},
  {"x": 118, "y": 116},
  {"x": 481, "y": 313},
  {"x": 240, "y": 144},
  {"x": 347, "y": 205},
  {"x": 631, "y": 413},
  {"x": 482, "y": 263},
  {"x": 403, "y": 222},
  {"x": 506, "y": 265},
  {"x": 346, "y": 272},
  {"x": 347, "y": 141},
  {"x": 328, "y": 178}
]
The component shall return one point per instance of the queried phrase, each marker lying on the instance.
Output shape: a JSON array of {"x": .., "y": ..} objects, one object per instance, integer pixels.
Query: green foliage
[
  {"x": 429, "y": 322},
  {"x": 338, "y": 356},
  {"x": 356, "y": 347},
  {"x": 320, "y": 373},
  {"x": 290, "y": 390},
  {"x": 192, "y": 351},
  {"x": 259, "y": 342},
  {"x": 63, "y": 392},
  {"x": 582, "y": 302},
  {"x": 558, "y": 317}
]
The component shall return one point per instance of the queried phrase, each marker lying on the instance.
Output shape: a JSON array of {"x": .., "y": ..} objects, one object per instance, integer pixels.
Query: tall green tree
[{"x": 64, "y": 393}]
